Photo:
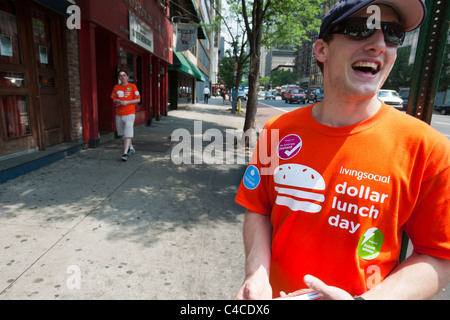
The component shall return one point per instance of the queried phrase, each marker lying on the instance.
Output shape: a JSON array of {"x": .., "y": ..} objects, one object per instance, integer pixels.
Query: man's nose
[{"x": 377, "y": 42}]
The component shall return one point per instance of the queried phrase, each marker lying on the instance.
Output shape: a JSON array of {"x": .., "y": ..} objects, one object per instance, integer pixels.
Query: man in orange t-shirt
[
  {"x": 125, "y": 96},
  {"x": 331, "y": 187}
]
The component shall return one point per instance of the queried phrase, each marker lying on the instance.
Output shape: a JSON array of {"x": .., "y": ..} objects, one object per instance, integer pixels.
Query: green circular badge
[{"x": 370, "y": 243}]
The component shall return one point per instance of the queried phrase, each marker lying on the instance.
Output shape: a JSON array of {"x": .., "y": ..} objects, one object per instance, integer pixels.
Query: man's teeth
[{"x": 366, "y": 64}]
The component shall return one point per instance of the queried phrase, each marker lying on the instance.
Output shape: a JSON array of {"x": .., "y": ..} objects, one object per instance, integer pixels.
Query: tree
[
  {"x": 401, "y": 72},
  {"x": 281, "y": 77},
  {"x": 238, "y": 45},
  {"x": 226, "y": 70},
  {"x": 444, "y": 80},
  {"x": 271, "y": 22},
  {"x": 264, "y": 81}
]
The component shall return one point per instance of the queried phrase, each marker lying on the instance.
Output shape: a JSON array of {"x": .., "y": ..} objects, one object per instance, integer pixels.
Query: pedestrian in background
[
  {"x": 206, "y": 94},
  {"x": 224, "y": 95},
  {"x": 125, "y": 96}
]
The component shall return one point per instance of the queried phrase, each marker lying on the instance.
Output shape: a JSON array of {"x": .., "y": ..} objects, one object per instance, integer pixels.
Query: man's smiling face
[{"x": 358, "y": 68}]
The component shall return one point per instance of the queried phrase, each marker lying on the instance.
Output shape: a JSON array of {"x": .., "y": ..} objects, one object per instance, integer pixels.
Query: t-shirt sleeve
[
  {"x": 113, "y": 94},
  {"x": 429, "y": 224},
  {"x": 136, "y": 93}
]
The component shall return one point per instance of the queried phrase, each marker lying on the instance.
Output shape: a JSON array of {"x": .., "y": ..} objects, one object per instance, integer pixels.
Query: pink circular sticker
[{"x": 289, "y": 147}]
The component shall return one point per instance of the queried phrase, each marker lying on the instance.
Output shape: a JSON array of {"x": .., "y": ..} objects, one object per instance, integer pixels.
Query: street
[{"x": 439, "y": 122}]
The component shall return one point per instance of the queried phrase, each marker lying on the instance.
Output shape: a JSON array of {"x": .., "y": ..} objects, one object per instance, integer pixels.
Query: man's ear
[{"x": 321, "y": 50}]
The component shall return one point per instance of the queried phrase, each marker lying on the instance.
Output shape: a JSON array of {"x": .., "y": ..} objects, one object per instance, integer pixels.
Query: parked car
[
  {"x": 295, "y": 95},
  {"x": 391, "y": 97},
  {"x": 314, "y": 94},
  {"x": 442, "y": 108},
  {"x": 241, "y": 95},
  {"x": 286, "y": 88},
  {"x": 269, "y": 95}
]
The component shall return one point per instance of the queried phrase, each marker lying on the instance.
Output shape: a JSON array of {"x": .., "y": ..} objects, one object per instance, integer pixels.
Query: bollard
[{"x": 239, "y": 110}]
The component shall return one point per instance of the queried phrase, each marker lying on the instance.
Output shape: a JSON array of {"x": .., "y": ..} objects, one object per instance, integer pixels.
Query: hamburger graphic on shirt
[{"x": 300, "y": 188}]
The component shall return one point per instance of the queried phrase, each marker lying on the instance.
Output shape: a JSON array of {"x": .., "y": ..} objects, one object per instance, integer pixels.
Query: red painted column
[
  {"x": 156, "y": 89},
  {"x": 89, "y": 83},
  {"x": 164, "y": 86}
]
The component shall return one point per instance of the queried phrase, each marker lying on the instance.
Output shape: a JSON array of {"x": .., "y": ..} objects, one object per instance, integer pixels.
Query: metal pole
[
  {"x": 429, "y": 57},
  {"x": 427, "y": 69}
]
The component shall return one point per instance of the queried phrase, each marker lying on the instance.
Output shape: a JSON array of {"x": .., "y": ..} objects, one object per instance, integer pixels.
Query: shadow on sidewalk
[{"x": 142, "y": 198}]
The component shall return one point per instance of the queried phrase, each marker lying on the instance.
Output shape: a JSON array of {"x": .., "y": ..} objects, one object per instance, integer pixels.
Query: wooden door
[
  {"x": 48, "y": 53},
  {"x": 17, "y": 129},
  {"x": 33, "y": 91}
]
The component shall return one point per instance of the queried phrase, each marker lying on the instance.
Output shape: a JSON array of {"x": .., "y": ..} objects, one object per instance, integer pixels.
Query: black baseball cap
[{"x": 411, "y": 12}]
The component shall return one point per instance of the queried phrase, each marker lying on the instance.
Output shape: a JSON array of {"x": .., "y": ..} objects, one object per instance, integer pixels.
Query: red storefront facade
[{"x": 134, "y": 35}]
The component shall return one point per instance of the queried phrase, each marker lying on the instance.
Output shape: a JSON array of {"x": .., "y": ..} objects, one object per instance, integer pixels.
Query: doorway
[{"x": 33, "y": 110}]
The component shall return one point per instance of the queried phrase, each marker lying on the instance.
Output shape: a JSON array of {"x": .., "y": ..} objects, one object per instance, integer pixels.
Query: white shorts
[{"x": 125, "y": 125}]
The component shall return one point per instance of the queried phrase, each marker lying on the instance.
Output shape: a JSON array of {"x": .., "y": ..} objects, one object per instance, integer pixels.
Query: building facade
[
  {"x": 56, "y": 80},
  {"x": 134, "y": 35},
  {"x": 279, "y": 58},
  {"x": 192, "y": 68}
]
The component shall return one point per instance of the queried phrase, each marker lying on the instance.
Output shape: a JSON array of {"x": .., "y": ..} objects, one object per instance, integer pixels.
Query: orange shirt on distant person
[
  {"x": 339, "y": 198},
  {"x": 125, "y": 93}
]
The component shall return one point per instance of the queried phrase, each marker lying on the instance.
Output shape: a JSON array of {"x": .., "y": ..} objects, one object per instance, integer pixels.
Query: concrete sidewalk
[
  {"x": 93, "y": 227},
  {"x": 90, "y": 226}
]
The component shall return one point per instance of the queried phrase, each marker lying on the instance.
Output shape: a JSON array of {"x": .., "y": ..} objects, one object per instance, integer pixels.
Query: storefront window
[
  {"x": 42, "y": 40},
  {"x": 185, "y": 89},
  {"x": 9, "y": 35},
  {"x": 132, "y": 63},
  {"x": 130, "y": 66},
  {"x": 15, "y": 116},
  {"x": 138, "y": 77}
]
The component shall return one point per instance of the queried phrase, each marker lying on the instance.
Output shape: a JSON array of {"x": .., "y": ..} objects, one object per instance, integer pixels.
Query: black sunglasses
[{"x": 360, "y": 28}]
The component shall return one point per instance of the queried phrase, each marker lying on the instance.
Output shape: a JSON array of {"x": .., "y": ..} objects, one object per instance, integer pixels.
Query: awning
[
  {"x": 180, "y": 62},
  {"x": 198, "y": 74},
  {"x": 59, "y": 6}
]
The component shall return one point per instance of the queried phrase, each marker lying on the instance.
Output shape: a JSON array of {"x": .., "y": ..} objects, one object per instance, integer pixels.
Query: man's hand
[
  {"x": 256, "y": 286},
  {"x": 117, "y": 102},
  {"x": 329, "y": 293}
]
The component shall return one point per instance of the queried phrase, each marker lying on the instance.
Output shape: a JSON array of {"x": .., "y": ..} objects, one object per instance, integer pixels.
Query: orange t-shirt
[
  {"x": 339, "y": 198},
  {"x": 125, "y": 93}
]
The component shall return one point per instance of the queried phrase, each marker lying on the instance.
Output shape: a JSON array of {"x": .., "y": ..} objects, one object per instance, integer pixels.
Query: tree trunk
[
  {"x": 255, "y": 36},
  {"x": 253, "y": 87}
]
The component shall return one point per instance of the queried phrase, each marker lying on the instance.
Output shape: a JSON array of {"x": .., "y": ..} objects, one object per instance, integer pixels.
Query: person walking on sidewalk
[
  {"x": 206, "y": 94},
  {"x": 223, "y": 93},
  {"x": 331, "y": 187},
  {"x": 125, "y": 96}
]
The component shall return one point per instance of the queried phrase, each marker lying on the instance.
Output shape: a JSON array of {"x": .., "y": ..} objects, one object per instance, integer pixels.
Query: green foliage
[
  {"x": 282, "y": 77},
  {"x": 226, "y": 70},
  {"x": 401, "y": 73},
  {"x": 290, "y": 22},
  {"x": 264, "y": 80},
  {"x": 444, "y": 80}
]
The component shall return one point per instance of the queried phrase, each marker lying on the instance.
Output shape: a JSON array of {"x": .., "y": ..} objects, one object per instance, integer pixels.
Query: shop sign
[
  {"x": 186, "y": 36},
  {"x": 140, "y": 32}
]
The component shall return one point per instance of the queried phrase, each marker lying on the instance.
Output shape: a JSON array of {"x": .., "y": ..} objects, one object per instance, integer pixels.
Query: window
[
  {"x": 16, "y": 120},
  {"x": 42, "y": 40},
  {"x": 132, "y": 63},
  {"x": 9, "y": 35},
  {"x": 10, "y": 79}
]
